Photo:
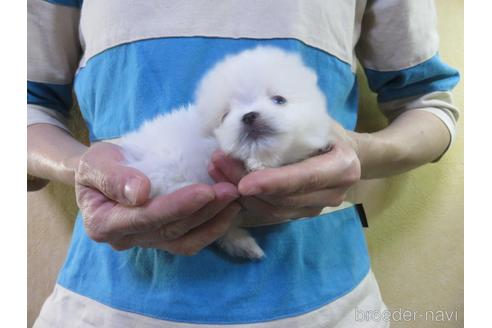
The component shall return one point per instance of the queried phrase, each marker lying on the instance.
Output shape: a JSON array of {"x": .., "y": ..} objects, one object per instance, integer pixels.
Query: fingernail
[{"x": 132, "y": 189}]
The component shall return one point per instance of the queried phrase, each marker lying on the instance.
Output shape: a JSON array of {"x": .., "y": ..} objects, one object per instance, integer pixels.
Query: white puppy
[{"x": 261, "y": 106}]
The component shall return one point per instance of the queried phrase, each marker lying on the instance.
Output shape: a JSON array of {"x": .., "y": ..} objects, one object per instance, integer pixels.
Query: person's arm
[
  {"x": 399, "y": 51},
  {"x": 304, "y": 189},
  {"x": 52, "y": 153},
  {"x": 114, "y": 198},
  {"x": 414, "y": 138}
]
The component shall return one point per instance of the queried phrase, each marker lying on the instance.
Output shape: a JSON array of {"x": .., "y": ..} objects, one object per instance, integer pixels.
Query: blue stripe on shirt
[
  {"x": 310, "y": 263},
  {"x": 429, "y": 76},
  {"x": 70, "y": 3},
  {"x": 54, "y": 96},
  {"x": 123, "y": 86}
]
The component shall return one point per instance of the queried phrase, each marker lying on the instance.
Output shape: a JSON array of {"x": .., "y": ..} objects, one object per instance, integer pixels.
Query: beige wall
[{"x": 416, "y": 219}]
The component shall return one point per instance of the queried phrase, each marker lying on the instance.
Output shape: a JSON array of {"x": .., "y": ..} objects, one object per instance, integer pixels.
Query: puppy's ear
[
  {"x": 210, "y": 117},
  {"x": 211, "y": 104},
  {"x": 212, "y": 98}
]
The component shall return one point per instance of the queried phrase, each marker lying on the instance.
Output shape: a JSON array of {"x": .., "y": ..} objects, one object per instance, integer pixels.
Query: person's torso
[{"x": 145, "y": 58}]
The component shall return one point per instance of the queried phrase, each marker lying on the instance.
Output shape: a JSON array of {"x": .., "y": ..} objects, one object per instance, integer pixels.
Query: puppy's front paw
[
  {"x": 238, "y": 242},
  {"x": 254, "y": 165}
]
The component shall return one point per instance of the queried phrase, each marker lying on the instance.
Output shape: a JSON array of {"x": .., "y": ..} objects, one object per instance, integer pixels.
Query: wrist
[
  {"x": 52, "y": 153},
  {"x": 361, "y": 143},
  {"x": 379, "y": 157},
  {"x": 69, "y": 167}
]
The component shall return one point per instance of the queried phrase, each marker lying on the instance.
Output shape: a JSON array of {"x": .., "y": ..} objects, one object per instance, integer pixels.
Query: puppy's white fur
[{"x": 290, "y": 123}]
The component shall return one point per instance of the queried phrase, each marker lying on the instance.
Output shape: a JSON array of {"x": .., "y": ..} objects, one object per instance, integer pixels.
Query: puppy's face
[{"x": 265, "y": 108}]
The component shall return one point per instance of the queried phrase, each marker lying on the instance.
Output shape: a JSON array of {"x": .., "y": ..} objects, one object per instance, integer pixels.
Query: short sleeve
[
  {"x": 53, "y": 52},
  {"x": 399, "y": 50}
]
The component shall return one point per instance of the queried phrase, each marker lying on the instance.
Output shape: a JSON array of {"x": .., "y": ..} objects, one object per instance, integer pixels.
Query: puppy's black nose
[{"x": 250, "y": 117}]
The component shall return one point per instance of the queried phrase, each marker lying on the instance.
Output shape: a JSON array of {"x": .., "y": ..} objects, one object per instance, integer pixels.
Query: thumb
[{"x": 102, "y": 168}]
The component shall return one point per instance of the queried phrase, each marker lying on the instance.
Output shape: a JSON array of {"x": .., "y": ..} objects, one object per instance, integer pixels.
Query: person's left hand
[{"x": 293, "y": 191}]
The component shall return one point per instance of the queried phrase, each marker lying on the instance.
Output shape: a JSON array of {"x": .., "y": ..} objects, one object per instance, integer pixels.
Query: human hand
[
  {"x": 113, "y": 199},
  {"x": 293, "y": 191}
]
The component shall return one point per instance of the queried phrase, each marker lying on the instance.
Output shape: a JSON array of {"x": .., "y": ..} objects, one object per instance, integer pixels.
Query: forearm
[
  {"x": 411, "y": 140},
  {"x": 52, "y": 153}
]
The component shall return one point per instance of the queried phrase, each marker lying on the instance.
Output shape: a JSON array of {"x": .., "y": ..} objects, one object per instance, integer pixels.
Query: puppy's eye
[
  {"x": 279, "y": 100},
  {"x": 224, "y": 116}
]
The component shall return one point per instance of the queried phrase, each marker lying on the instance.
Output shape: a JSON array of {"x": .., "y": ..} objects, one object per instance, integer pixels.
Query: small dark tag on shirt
[{"x": 362, "y": 215}]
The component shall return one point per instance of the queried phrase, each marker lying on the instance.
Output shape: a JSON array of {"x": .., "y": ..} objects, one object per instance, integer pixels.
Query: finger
[
  {"x": 322, "y": 198},
  {"x": 225, "y": 194},
  {"x": 232, "y": 169},
  {"x": 337, "y": 167},
  {"x": 265, "y": 212},
  {"x": 120, "y": 220},
  {"x": 216, "y": 174},
  {"x": 202, "y": 236},
  {"x": 121, "y": 245},
  {"x": 101, "y": 168}
]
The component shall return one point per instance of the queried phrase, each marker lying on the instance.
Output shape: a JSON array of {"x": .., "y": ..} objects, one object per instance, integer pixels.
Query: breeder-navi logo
[{"x": 405, "y": 315}]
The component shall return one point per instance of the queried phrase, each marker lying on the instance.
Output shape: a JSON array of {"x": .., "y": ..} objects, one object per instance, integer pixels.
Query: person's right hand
[{"x": 113, "y": 199}]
